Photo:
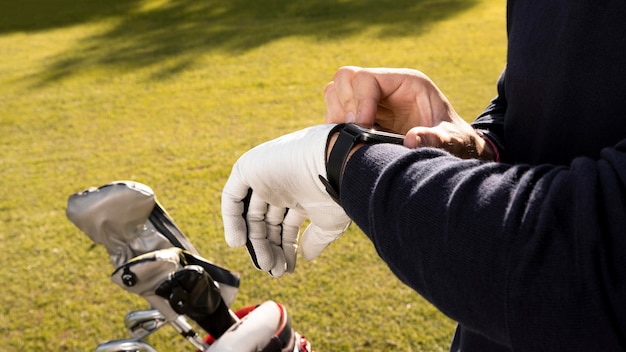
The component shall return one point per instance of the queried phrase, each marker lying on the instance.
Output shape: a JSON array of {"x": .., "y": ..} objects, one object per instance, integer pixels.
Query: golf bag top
[{"x": 127, "y": 219}]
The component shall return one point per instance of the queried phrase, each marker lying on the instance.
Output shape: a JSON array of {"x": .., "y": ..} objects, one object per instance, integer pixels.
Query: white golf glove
[{"x": 271, "y": 190}]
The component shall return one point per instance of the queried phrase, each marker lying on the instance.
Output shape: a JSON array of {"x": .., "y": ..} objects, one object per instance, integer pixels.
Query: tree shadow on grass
[{"x": 149, "y": 33}]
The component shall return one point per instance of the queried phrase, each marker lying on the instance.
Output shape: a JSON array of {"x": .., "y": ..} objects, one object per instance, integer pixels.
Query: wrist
[
  {"x": 332, "y": 139},
  {"x": 343, "y": 141}
]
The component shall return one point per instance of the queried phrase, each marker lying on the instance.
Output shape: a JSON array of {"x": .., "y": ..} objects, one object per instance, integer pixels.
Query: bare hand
[{"x": 403, "y": 101}]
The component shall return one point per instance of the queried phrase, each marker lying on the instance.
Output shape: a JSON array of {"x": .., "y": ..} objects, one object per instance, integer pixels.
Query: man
[{"x": 528, "y": 253}]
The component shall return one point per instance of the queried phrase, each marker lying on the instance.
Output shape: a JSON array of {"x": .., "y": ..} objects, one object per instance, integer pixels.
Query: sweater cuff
[{"x": 495, "y": 149}]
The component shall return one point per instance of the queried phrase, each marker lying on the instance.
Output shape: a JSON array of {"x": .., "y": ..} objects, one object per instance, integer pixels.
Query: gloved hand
[{"x": 271, "y": 190}]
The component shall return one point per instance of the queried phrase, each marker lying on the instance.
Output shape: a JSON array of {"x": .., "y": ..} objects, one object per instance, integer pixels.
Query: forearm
[
  {"x": 481, "y": 147},
  {"x": 405, "y": 202},
  {"x": 488, "y": 243}
]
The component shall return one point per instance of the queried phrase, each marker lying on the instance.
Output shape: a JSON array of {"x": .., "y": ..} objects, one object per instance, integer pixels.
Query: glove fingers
[
  {"x": 273, "y": 224},
  {"x": 255, "y": 217},
  {"x": 235, "y": 198},
  {"x": 261, "y": 253},
  {"x": 273, "y": 220},
  {"x": 280, "y": 266},
  {"x": 291, "y": 230},
  {"x": 258, "y": 244}
]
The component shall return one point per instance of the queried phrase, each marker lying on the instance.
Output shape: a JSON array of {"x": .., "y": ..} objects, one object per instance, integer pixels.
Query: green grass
[{"x": 170, "y": 93}]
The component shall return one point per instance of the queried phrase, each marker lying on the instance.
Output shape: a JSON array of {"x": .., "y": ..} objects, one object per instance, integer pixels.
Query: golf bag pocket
[
  {"x": 144, "y": 273},
  {"x": 191, "y": 291},
  {"x": 164, "y": 275}
]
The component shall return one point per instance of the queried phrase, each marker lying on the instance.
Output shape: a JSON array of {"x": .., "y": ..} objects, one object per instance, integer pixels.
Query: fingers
[
  {"x": 269, "y": 233},
  {"x": 273, "y": 224},
  {"x": 352, "y": 97},
  {"x": 244, "y": 218},
  {"x": 258, "y": 246},
  {"x": 280, "y": 265},
  {"x": 334, "y": 110},
  {"x": 366, "y": 95},
  {"x": 393, "y": 99},
  {"x": 421, "y": 137},
  {"x": 235, "y": 198},
  {"x": 283, "y": 226},
  {"x": 291, "y": 229},
  {"x": 457, "y": 139}
]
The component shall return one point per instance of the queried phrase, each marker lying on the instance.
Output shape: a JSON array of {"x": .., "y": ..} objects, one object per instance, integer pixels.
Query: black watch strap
[
  {"x": 332, "y": 183},
  {"x": 349, "y": 136}
]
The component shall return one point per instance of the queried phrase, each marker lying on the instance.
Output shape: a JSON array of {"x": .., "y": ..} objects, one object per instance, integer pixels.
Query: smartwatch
[{"x": 350, "y": 135}]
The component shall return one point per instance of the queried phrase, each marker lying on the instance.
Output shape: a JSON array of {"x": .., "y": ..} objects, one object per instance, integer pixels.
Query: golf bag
[{"x": 154, "y": 259}]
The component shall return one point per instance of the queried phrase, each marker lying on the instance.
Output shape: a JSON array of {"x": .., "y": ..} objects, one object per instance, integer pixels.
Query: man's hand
[
  {"x": 271, "y": 190},
  {"x": 403, "y": 101}
]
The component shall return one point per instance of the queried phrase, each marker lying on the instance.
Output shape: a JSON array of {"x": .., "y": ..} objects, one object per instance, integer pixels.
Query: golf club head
[
  {"x": 141, "y": 323},
  {"x": 125, "y": 345}
]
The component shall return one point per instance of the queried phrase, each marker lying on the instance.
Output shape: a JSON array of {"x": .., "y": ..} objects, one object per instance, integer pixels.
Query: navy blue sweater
[{"x": 528, "y": 254}]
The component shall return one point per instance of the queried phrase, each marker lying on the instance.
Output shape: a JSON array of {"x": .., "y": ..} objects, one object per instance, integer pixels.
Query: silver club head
[
  {"x": 141, "y": 323},
  {"x": 126, "y": 345}
]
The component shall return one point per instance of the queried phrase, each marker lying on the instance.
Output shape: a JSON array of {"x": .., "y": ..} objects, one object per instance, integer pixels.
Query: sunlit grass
[{"x": 170, "y": 94}]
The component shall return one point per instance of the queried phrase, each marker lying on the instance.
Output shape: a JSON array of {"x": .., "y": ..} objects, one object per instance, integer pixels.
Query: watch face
[{"x": 374, "y": 136}]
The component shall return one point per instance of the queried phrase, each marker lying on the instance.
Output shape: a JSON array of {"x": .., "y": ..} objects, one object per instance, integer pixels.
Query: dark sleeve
[
  {"x": 531, "y": 257},
  {"x": 491, "y": 121}
]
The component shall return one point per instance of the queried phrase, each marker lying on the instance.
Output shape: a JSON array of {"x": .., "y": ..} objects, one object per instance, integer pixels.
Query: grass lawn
[{"x": 170, "y": 93}]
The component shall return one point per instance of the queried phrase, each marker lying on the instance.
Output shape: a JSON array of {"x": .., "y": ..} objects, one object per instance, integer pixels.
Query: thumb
[
  {"x": 422, "y": 136},
  {"x": 315, "y": 240}
]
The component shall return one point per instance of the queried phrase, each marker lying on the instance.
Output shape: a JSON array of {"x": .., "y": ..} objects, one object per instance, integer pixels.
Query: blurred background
[{"x": 170, "y": 93}]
